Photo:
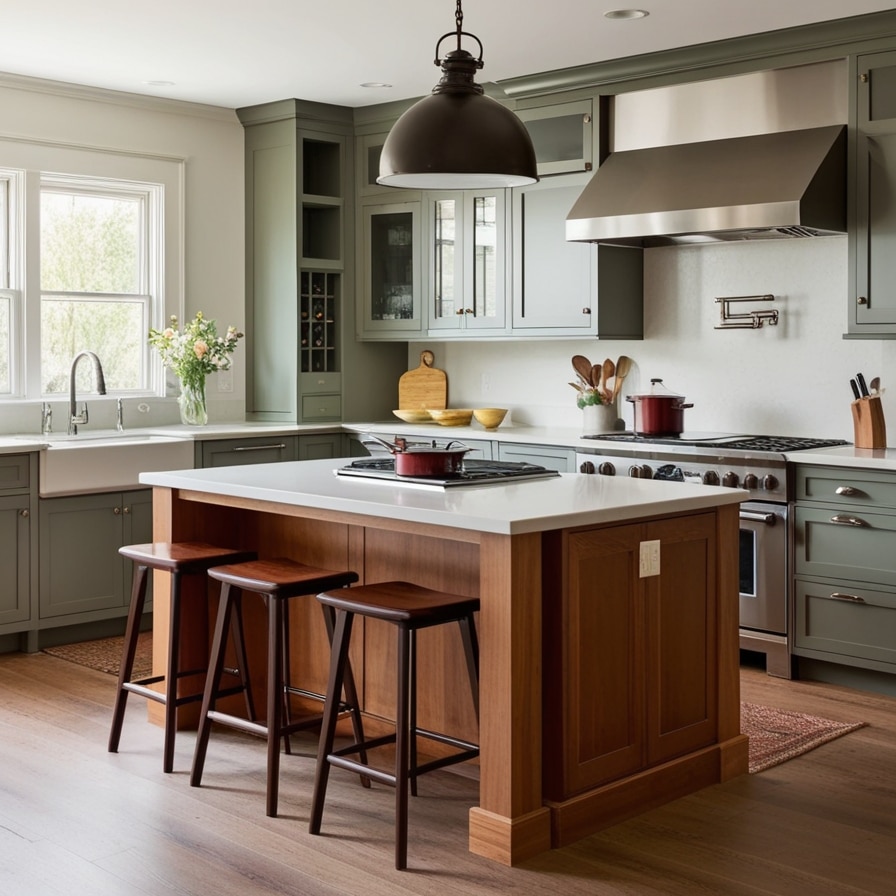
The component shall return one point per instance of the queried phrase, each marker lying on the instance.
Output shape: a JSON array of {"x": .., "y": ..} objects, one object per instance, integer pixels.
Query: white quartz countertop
[
  {"x": 505, "y": 509},
  {"x": 847, "y": 456}
]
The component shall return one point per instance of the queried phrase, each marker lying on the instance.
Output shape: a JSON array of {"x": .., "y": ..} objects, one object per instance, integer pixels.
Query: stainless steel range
[{"x": 754, "y": 463}]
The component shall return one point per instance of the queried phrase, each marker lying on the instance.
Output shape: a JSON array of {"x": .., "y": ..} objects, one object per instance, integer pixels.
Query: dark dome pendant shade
[{"x": 457, "y": 138}]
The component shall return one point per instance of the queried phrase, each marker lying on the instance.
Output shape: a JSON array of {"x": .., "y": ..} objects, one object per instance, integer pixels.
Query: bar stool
[
  {"x": 410, "y": 608},
  {"x": 180, "y": 559},
  {"x": 276, "y": 581}
]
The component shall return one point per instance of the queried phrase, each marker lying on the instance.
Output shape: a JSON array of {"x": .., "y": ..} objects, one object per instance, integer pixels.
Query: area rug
[
  {"x": 105, "y": 654},
  {"x": 777, "y": 735}
]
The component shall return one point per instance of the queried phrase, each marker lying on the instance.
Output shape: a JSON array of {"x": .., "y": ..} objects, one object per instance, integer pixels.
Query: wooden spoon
[
  {"x": 596, "y": 371},
  {"x": 608, "y": 370},
  {"x": 623, "y": 366},
  {"x": 582, "y": 367}
]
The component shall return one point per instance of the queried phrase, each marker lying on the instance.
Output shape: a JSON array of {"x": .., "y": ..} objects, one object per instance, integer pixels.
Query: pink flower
[
  {"x": 168, "y": 333},
  {"x": 200, "y": 347}
]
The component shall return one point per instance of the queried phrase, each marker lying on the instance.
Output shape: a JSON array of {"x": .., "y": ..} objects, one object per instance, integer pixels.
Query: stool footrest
[{"x": 238, "y": 722}]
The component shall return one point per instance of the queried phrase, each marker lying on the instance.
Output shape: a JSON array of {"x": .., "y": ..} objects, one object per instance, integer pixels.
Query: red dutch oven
[
  {"x": 425, "y": 460},
  {"x": 659, "y": 412}
]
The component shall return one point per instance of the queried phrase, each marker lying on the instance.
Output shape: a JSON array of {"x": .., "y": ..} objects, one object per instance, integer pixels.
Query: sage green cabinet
[
  {"x": 845, "y": 566},
  {"x": 389, "y": 261},
  {"x": 82, "y": 576},
  {"x": 872, "y": 230},
  {"x": 552, "y": 457},
  {"x": 300, "y": 273},
  {"x": 18, "y": 521},
  {"x": 236, "y": 452},
  {"x": 466, "y": 237},
  {"x": 562, "y": 135},
  {"x": 563, "y": 288}
]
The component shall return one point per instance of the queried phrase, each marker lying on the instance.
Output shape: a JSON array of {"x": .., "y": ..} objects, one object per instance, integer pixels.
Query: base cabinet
[
  {"x": 18, "y": 517},
  {"x": 845, "y": 568},
  {"x": 82, "y": 576},
  {"x": 638, "y": 654}
]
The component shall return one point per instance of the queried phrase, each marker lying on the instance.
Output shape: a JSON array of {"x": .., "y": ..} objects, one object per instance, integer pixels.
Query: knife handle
[
  {"x": 863, "y": 388},
  {"x": 855, "y": 389}
]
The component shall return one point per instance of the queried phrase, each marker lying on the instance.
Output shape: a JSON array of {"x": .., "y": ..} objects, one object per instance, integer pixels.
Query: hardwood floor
[{"x": 75, "y": 819}]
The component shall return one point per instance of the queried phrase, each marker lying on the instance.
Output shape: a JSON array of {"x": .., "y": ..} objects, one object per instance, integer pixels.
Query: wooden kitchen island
[{"x": 603, "y": 692}]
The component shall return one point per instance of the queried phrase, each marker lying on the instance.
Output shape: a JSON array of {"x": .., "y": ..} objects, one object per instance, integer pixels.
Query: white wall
[
  {"x": 792, "y": 379},
  {"x": 210, "y": 140}
]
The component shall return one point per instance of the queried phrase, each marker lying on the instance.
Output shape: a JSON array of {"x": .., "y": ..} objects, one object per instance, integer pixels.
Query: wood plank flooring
[{"x": 75, "y": 819}]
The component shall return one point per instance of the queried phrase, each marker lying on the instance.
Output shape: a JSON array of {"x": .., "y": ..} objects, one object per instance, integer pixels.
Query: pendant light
[{"x": 457, "y": 138}]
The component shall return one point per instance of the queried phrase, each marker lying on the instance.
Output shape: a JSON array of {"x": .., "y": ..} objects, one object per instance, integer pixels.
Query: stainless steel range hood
[{"x": 769, "y": 186}]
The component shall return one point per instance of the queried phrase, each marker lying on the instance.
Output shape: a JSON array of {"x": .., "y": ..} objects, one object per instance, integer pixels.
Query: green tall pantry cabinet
[{"x": 304, "y": 363}]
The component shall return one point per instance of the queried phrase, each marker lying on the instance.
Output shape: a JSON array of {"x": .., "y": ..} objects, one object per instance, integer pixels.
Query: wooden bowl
[
  {"x": 490, "y": 418},
  {"x": 413, "y": 415},
  {"x": 452, "y": 416}
]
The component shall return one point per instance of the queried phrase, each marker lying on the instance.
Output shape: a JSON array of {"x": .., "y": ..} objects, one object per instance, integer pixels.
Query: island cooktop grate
[{"x": 474, "y": 472}]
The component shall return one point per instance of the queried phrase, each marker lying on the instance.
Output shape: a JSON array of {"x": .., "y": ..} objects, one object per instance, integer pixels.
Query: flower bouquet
[{"x": 193, "y": 353}]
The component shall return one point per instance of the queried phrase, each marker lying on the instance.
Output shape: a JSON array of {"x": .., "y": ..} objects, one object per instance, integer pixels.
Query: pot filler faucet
[{"x": 76, "y": 417}]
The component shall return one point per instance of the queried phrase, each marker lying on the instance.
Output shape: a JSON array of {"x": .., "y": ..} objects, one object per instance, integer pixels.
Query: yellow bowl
[
  {"x": 452, "y": 416},
  {"x": 413, "y": 415},
  {"x": 490, "y": 418}
]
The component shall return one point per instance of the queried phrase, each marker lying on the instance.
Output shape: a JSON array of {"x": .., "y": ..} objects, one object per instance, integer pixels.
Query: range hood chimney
[{"x": 768, "y": 186}]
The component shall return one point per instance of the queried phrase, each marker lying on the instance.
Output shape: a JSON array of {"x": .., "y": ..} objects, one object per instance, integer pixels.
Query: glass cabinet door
[
  {"x": 391, "y": 267},
  {"x": 466, "y": 233}
]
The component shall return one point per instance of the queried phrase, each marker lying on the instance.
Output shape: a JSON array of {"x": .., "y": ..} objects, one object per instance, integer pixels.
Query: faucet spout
[{"x": 76, "y": 417}]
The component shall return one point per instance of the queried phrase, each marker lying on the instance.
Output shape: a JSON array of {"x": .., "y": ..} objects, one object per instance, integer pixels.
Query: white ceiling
[{"x": 235, "y": 53}]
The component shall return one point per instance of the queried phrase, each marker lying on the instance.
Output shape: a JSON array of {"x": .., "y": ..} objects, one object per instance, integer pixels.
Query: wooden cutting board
[{"x": 424, "y": 387}]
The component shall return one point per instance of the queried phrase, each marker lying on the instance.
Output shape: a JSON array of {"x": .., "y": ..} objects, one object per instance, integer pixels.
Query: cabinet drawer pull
[
  {"x": 280, "y": 447},
  {"x": 848, "y": 520},
  {"x": 848, "y": 491},
  {"x": 849, "y": 598}
]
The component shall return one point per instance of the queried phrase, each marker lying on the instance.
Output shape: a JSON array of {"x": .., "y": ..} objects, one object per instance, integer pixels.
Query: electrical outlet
[
  {"x": 485, "y": 383},
  {"x": 649, "y": 564}
]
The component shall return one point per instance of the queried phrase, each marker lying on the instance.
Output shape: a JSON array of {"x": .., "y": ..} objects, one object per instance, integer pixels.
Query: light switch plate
[{"x": 649, "y": 564}]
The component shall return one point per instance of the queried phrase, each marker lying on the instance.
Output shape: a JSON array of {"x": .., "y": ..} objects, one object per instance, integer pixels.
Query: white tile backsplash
[{"x": 790, "y": 379}]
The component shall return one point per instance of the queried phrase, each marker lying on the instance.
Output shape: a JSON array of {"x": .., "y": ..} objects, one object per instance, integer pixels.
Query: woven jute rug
[
  {"x": 105, "y": 654},
  {"x": 777, "y": 735}
]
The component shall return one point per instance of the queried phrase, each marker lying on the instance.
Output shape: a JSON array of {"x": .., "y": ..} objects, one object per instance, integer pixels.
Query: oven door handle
[{"x": 768, "y": 518}]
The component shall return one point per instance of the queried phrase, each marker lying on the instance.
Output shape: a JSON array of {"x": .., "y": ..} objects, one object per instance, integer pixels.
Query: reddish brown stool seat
[
  {"x": 276, "y": 581},
  {"x": 410, "y": 608},
  {"x": 180, "y": 559}
]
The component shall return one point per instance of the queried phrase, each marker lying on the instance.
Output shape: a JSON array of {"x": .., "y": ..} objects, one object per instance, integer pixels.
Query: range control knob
[
  {"x": 606, "y": 469},
  {"x": 751, "y": 481},
  {"x": 646, "y": 472},
  {"x": 586, "y": 467},
  {"x": 730, "y": 479},
  {"x": 710, "y": 477},
  {"x": 769, "y": 483}
]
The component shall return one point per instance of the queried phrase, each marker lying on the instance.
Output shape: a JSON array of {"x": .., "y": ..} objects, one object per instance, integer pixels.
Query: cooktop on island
[{"x": 474, "y": 472}]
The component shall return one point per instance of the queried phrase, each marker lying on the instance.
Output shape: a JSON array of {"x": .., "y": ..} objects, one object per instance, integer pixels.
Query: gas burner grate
[{"x": 781, "y": 443}]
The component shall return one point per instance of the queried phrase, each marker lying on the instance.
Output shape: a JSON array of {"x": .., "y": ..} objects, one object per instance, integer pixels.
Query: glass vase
[{"x": 192, "y": 404}]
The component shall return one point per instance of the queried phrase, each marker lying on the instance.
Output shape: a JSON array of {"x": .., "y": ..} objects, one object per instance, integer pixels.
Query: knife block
[{"x": 868, "y": 421}]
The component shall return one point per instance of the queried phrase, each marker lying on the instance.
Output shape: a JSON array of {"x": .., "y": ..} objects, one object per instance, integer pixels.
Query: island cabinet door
[
  {"x": 681, "y": 684},
  {"x": 594, "y": 659},
  {"x": 628, "y": 658}
]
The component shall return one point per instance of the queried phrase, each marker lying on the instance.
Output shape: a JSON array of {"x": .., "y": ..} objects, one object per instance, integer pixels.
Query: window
[
  {"x": 98, "y": 273},
  {"x": 91, "y": 257}
]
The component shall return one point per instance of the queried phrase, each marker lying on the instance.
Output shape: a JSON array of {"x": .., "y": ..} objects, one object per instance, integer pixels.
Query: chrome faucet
[{"x": 76, "y": 417}]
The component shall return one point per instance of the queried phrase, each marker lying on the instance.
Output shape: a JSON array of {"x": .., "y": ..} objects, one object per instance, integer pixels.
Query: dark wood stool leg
[
  {"x": 212, "y": 682},
  {"x": 239, "y": 645},
  {"x": 171, "y": 673},
  {"x": 338, "y": 656},
  {"x": 287, "y": 678},
  {"x": 135, "y": 612},
  {"x": 275, "y": 699},
  {"x": 412, "y": 712},
  {"x": 351, "y": 694},
  {"x": 402, "y": 747}
]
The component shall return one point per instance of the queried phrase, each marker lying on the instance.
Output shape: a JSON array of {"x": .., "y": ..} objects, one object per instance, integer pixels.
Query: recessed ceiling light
[
  {"x": 374, "y": 84},
  {"x": 159, "y": 83},
  {"x": 626, "y": 14}
]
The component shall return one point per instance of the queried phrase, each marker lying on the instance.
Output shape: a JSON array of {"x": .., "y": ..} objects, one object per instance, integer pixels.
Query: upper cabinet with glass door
[
  {"x": 562, "y": 134},
  {"x": 466, "y": 278}
]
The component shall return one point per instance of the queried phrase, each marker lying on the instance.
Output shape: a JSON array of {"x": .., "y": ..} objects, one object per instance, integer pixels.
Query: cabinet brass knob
[
  {"x": 586, "y": 311},
  {"x": 127, "y": 509},
  {"x": 26, "y": 513},
  {"x": 116, "y": 511},
  {"x": 862, "y": 300}
]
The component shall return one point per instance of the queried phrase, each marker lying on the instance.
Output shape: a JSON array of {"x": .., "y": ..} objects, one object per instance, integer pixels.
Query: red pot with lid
[
  {"x": 659, "y": 411},
  {"x": 420, "y": 460}
]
